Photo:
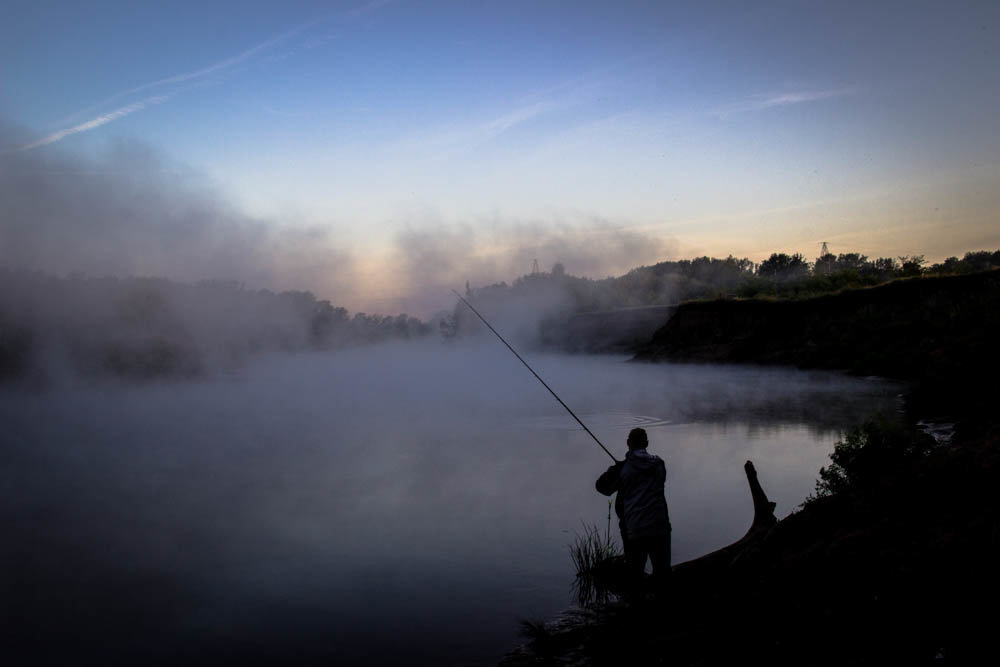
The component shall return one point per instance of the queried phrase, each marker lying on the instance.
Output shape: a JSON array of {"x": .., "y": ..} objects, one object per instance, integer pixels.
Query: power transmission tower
[
  {"x": 534, "y": 269},
  {"x": 825, "y": 251}
]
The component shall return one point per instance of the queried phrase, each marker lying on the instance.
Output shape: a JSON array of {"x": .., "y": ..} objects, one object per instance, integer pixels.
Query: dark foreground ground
[
  {"x": 906, "y": 572},
  {"x": 902, "y": 569}
]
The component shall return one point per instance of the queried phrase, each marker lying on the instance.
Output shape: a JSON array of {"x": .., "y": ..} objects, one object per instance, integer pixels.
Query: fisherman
[{"x": 641, "y": 508}]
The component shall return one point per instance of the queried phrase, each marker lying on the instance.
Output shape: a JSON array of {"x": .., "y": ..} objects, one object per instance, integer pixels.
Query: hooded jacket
[{"x": 641, "y": 506}]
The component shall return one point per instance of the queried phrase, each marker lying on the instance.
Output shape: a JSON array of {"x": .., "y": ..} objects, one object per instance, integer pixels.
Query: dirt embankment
[
  {"x": 904, "y": 329},
  {"x": 939, "y": 333}
]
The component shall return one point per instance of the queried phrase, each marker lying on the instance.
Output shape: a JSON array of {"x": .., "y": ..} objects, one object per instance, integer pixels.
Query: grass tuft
[{"x": 595, "y": 557}]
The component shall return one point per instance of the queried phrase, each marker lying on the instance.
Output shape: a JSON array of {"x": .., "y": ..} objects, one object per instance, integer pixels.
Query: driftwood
[{"x": 763, "y": 521}]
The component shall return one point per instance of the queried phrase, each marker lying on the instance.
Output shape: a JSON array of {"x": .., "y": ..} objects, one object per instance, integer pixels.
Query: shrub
[{"x": 869, "y": 452}]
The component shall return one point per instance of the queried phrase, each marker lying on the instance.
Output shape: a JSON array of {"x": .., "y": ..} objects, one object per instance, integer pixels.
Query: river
[{"x": 405, "y": 503}]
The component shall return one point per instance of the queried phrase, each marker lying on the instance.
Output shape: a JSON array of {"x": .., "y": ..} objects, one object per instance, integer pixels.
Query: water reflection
[
  {"x": 601, "y": 420},
  {"x": 378, "y": 506}
]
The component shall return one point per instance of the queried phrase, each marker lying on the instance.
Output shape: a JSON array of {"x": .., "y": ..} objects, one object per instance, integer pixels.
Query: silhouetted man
[{"x": 641, "y": 507}]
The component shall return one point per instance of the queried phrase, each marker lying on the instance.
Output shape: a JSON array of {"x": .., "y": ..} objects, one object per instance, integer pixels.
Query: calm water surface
[{"x": 391, "y": 504}]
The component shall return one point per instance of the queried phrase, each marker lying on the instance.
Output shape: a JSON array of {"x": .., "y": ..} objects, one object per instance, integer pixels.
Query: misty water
[{"x": 386, "y": 504}]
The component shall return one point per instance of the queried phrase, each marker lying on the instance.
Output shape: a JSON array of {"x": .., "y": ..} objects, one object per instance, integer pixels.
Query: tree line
[{"x": 556, "y": 295}]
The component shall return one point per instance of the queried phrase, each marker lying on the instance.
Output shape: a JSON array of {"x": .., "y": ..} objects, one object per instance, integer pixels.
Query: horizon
[
  {"x": 431, "y": 316},
  {"x": 379, "y": 154}
]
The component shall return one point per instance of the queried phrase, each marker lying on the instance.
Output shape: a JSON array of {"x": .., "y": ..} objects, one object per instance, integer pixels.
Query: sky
[{"x": 378, "y": 153}]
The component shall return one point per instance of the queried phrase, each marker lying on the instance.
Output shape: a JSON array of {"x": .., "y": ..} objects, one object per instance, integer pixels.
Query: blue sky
[{"x": 603, "y": 135}]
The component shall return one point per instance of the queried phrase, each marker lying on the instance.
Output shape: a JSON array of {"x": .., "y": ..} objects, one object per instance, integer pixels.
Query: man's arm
[{"x": 609, "y": 481}]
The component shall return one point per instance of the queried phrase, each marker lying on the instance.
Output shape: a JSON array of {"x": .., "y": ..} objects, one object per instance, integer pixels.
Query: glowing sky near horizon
[{"x": 714, "y": 128}]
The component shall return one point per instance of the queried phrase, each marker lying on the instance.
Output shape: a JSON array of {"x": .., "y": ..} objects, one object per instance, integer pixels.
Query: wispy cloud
[
  {"x": 193, "y": 77},
  {"x": 103, "y": 119},
  {"x": 202, "y": 73},
  {"x": 762, "y": 102},
  {"x": 503, "y": 123},
  {"x": 450, "y": 141}
]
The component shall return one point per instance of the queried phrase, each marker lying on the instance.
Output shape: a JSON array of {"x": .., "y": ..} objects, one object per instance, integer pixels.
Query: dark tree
[
  {"x": 782, "y": 267},
  {"x": 911, "y": 266}
]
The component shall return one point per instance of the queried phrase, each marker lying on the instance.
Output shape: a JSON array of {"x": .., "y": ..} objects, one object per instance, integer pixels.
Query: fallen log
[{"x": 763, "y": 521}]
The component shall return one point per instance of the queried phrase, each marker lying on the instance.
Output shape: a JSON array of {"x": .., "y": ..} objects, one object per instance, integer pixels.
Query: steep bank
[
  {"x": 939, "y": 333},
  {"x": 904, "y": 329}
]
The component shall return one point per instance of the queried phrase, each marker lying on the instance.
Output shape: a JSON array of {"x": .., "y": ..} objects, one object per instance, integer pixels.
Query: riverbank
[
  {"x": 903, "y": 329},
  {"x": 899, "y": 569},
  {"x": 902, "y": 574}
]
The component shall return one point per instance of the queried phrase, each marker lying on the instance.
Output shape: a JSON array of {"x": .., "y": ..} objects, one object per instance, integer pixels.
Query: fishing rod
[{"x": 537, "y": 377}]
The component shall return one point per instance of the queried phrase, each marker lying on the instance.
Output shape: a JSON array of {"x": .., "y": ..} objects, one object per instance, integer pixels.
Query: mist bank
[
  {"x": 131, "y": 209},
  {"x": 141, "y": 328},
  {"x": 144, "y": 327}
]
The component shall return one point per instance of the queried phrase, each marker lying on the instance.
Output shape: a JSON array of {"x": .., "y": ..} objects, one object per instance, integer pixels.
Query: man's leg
[
  {"x": 636, "y": 553},
  {"x": 659, "y": 555}
]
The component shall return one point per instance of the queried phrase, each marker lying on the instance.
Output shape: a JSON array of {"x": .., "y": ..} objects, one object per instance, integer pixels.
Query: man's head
[{"x": 637, "y": 439}]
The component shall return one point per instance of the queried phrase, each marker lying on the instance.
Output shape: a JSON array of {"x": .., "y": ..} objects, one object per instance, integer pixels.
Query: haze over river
[{"x": 381, "y": 505}]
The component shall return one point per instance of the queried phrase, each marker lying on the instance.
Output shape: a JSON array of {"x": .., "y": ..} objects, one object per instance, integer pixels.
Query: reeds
[
  {"x": 596, "y": 558},
  {"x": 591, "y": 549}
]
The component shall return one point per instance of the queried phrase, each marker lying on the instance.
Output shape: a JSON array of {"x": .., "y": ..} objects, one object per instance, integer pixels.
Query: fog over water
[{"x": 379, "y": 504}]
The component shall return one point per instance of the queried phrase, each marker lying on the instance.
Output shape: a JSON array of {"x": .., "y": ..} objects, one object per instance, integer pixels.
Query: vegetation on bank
[
  {"x": 540, "y": 308},
  {"x": 868, "y": 454},
  {"x": 594, "y": 555},
  {"x": 673, "y": 282}
]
